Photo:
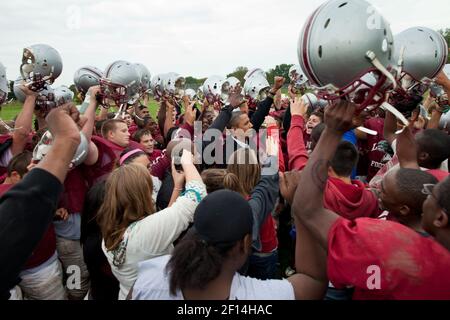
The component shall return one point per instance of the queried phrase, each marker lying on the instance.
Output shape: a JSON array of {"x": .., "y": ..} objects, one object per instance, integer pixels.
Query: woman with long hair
[{"x": 132, "y": 231}]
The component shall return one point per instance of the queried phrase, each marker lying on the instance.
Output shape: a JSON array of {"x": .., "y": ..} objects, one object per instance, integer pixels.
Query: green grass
[{"x": 9, "y": 111}]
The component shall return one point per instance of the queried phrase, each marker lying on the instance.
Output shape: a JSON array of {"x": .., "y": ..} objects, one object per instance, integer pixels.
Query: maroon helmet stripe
[
  {"x": 93, "y": 71},
  {"x": 305, "y": 55}
]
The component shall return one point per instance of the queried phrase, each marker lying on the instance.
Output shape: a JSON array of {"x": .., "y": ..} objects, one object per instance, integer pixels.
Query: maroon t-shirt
[
  {"x": 376, "y": 158},
  {"x": 386, "y": 260}
]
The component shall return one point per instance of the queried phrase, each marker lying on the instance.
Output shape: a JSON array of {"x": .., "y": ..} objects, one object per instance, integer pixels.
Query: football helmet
[
  {"x": 87, "y": 77},
  {"x": 254, "y": 72},
  {"x": 4, "y": 88},
  {"x": 120, "y": 83},
  {"x": 173, "y": 85},
  {"x": 233, "y": 82},
  {"x": 63, "y": 95},
  {"x": 256, "y": 87},
  {"x": 421, "y": 54},
  {"x": 298, "y": 78},
  {"x": 311, "y": 100},
  {"x": 342, "y": 41},
  {"x": 156, "y": 86},
  {"x": 41, "y": 64},
  {"x": 144, "y": 77},
  {"x": 45, "y": 100},
  {"x": 216, "y": 89},
  {"x": 191, "y": 94},
  {"x": 44, "y": 145}
]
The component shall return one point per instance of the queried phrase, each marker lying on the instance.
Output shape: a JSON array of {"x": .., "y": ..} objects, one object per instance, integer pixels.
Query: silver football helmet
[
  {"x": 144, "y": 76},
  {"x": 87, "y": 77},
  {"x": 4, "y": 88},
  {"x": 256, "y": 87},
  {"x": 120, "y": 83},
  {"x": 298, "y": 77},
  {"x": 216, "y": 89},
  {"x": 63, "y": 95},
  {"x": 173, "y": 84},
  {"x": 156, "y": 86},
  {"x": 233, "y": 82},
  {"x": 191, "y": 94},
  {"x": 421, "y": 54},
  {"x": 45, "y": 100},
  {"x": 41, "y": 64},
  {"x": 44, "y": 145},
  {"x": 254, "y": 72},
  {"x": 341, "y": 42},
  {"x": 311, "y": 100}
]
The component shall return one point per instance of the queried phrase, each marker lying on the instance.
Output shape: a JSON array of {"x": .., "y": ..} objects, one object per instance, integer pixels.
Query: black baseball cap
[{"x": 222, "y": 218}]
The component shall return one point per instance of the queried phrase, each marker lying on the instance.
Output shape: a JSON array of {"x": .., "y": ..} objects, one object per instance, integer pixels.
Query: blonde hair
[
  {"x": 244, "y": 165},
  {"x": 128, "y": 198}
]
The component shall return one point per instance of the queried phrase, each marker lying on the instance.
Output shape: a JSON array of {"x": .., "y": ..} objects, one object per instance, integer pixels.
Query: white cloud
[{"x": 197, "y": 38}]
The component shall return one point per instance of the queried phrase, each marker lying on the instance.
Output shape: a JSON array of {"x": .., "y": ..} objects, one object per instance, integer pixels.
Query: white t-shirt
[
  {"x": 153, "y": 236},
  {"x": 153, "y": 284}
]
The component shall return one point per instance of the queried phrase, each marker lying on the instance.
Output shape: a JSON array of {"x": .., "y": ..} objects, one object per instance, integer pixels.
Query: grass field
[{"x": 9, "y": 111}]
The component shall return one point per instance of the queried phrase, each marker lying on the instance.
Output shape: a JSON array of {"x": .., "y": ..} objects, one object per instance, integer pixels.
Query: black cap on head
[{"x": 223, "y": 218}]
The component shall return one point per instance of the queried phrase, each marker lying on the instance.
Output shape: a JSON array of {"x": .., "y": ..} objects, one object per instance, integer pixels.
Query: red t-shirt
[
  {"x": 376, "y": 158},
  {"x": 410, "y": 266},
  {"x": 441, "y": 175}
]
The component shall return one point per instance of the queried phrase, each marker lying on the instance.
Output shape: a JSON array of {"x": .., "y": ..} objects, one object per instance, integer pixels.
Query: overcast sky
[{"x": 191, "y": 37}]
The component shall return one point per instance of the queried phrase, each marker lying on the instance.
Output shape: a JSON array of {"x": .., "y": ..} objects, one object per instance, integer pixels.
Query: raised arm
[
  {"x": 310, "y": 282},
  {"x": 298, "y": 155},
  {"x": 88, "y": 126},
  {"x": 23, "y": 122},
  {"x": 308, "y": 202},
  {"x": 264, "y": 107},
  {"x": 28, "y": 208}
]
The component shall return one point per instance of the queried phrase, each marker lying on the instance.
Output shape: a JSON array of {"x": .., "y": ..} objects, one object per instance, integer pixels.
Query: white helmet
[
  {"x": 173, "y": 84},
  {"x": 254, "y": 72},
  {"x": 156, "y": 86},
  {"x": 256, "y": 87},
  {"x": 144, "y": 76},
  {"x": 87, "y": 77},
  {"x": 341, "y": 42},
  {"x": 191, "y": 94},
  {"x": 44, "y": 145},
  {"x": 310, "y": 99},
  {"x": 63, "y": 95},
  {"x": 120, "y": 83},
  {"x": 4, "y": 88},
  {"x": 41, "y": 64},
  {"x": 216, "y": 89},
  {"x": 298, "y": 77},
  {"x": 45, "y": 100},
  {"x": 425, "y": 53},
  {"x": 233, "y": 81}
]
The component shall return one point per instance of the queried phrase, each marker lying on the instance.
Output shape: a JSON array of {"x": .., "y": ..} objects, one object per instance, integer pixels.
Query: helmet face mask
[
  {"x": 144, "y": 78},
  {"x": 338, "y": 36},
  {"x": 173, "y": 85},
  {"x": 120, "y": 84},
  {"x": 299, "y": 81},
  {"x": 41, "y": 65},
  {"x": 45, "y": 144},
  {"x": 216, "y": 89}
]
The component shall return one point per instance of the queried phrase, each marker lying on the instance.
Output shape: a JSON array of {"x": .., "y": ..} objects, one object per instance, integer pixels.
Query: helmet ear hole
[
  {"x": 327, "y": 23},
  {"x": 320, "y": 51},
  {"x": 343, "y": 5}
]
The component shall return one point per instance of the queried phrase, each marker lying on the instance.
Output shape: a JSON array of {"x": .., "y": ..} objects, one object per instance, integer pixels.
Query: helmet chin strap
[
  {"x": 377, "y": 64},
  {"x": 120, "y": 111}
]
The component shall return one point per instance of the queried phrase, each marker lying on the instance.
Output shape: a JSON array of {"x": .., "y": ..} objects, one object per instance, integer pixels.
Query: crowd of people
[{"x": 338, "y": 190}]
